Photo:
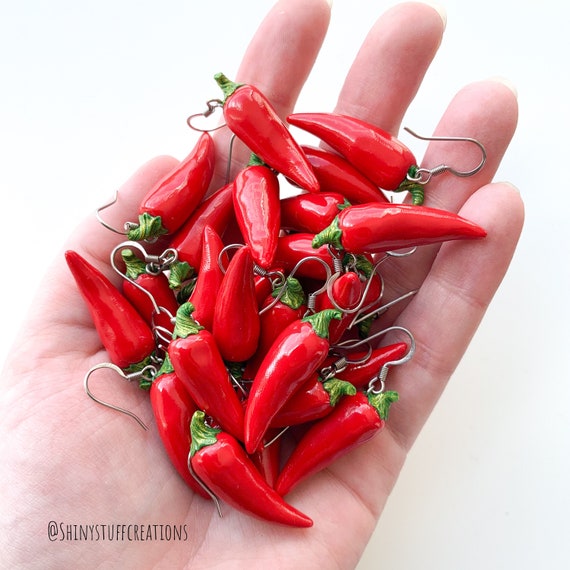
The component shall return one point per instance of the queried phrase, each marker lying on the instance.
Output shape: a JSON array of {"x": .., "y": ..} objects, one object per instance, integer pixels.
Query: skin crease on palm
[{"x": 67, "y": 459}]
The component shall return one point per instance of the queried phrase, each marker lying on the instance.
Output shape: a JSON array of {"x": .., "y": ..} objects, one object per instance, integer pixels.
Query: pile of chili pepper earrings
[{"x": 248, "y": 314}]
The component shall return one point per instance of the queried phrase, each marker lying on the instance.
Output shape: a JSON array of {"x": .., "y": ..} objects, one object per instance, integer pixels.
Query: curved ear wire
[
  {"x": 424, "y": 175},
  {"x": 103, "y": 222},
  {"x": 146, "y": 371}
]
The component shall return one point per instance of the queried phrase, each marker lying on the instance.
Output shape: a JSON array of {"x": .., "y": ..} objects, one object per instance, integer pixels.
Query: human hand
[{"x": 66, "y": 459}]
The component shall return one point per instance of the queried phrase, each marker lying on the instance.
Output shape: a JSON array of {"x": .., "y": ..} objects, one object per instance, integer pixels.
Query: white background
[{"x": 90, "y": 90}]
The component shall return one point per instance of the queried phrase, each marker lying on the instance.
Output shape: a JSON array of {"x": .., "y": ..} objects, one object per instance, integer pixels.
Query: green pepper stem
[
  {"x": 227, "y": 86},
  {"x": 180, "y": 271},
  {"x": 149, "y": 227},
  {"x": 330, "y": 235},
  {"x": 134, "y": 266},
  {"x": 336, "y": 389},
  {"x": 293, "y": 296},
  {"x": 382, "y": 401},
  {"x": 185, "y": 324},
  {"x": 201, "y": 433},
  {"x": 321, "y": 321}
]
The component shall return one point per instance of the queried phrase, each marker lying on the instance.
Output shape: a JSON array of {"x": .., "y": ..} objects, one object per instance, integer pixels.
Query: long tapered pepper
[
  {"x": 209, "y": 279},
  {"x": 313, "y": 401},
  {"x": 382, "y": 158},
  {"x": 216, "y": 211},
  {"x": 294, "y": 356},
  {"x": 257, "y": 210},
  {"x": 236, "y": 317},
  {"x": 354, "y": 421},
  {"x": 155, "y": 285},
  {"x": 198, "y": 363},
  {"x": 123, "y": 332},
  {"x": 223, "y": 466},
  {"x": 376, "y": 227},
  {"x": 174, "y": 198},
  {"x": 336, "y": 174},
  {"x": 311, "y": 213},
  {"x": 173, "y": 408},
  {"x": 251, "y": 116}
]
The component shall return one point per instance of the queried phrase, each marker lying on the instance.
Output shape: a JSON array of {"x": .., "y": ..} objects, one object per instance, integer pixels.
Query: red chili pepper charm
[
  {"x": 311, "y": 213},
  {"x": 293, "y": 248},
  {"x": 379, "y": 156},
  {"x": 198, "y": 363},
  {"x": 209, "y": 279},
  {"x": 236, "y": 317},
  {"x": 223, "y": 466},
  {"x": 336, "y": 174},
  {"x": 376, "y": 227},
  {"x": 171, "y": 202},
  {"x": 295, "y": 355},
  {"x": 173, "y": 409},
  {"x": 123, "y": 332},
  {"x": 354, "y": 421},
  {"x": 216, "y": 211},
  {"x": 257, "y": 210},
  {"x": 250, "y": 115},
  {"x": 156, "y": 286}
]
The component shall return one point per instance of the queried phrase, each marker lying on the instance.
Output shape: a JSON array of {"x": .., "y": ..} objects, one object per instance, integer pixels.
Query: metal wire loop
[{"x": 211, "y": 107}]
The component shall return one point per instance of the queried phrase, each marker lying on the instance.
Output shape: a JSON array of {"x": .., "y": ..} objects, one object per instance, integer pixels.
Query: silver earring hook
[
  {"x": 424, "y": 175},
  {"x": 211, "y": 107},
  {"x": 147, "y": 371}
]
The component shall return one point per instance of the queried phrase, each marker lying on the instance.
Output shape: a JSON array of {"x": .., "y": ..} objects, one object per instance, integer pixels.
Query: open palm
[{"x": 67, "y": 460}]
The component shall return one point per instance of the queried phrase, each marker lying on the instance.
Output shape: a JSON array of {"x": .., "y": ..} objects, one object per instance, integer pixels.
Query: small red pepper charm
[
  {"x": 377, "y": 227},
  {"x": 216, "y": 211},
  {"x": 252, "y": 118},
  {"x": 198, "y": 363},
  {"x": 173, "y": 409},
  {"x": 379, "y": 156},
  {"x": 257, "y": 210},
  {"x": 171, "y": 202},
  {"x": 236, "y": 317},
  {"x": 222, "y": 465},
  {"x": 311, "y": 213},
  {"x": 295, "y": 355},
  {"x": 294, "y": 248},
  {"x": 123, "y": 332},
  {"x": 354, "y": 421}
]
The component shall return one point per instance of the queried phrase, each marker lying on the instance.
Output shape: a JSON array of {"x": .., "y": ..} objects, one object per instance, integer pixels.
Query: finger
[
  {"x": 278, "y": 61},
  {"x": 448, "y": 308},
  {"x": 391, "y": 63},
  {"x": 486, "y": 111}
]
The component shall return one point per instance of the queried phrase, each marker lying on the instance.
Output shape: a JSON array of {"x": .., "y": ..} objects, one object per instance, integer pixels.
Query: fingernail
[
  {"x": 507, "y": 82},
  {"x": 440, "y": 10}
]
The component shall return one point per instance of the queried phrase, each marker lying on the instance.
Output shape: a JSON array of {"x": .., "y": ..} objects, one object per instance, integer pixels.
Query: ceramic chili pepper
[
  {"x": 366, "y": 365},
  {"x": 257, "y": 210},
  {"x": 279, "y": 309},
  {"x": 251, "y": 116},
  {"x": 198, "y": 363},
  {"x": 222, "y": 465},
  {"x": 174, "y": 198},
  {"x": 267, "y": 458},
  {"x": 376, "y": 227},
  {"x": 336, "y": 174},
  {"x": 293, "y": 248},
  {"x": 313, "y": 401},
  {"x": 155, "y": 285},
  {"x": 216, "y": 211},
  {"x": 379, "y": 156},
  {"x": 209, "y": 279},
  {"x": 344, "y": 294},
  {"x": 173, "y": 408},
  {"x": 311, "y": 213},
  {"x": 354, "y": 421},
  {"x": 236, "y": 318},
  {"x": 294, "y": 356},
  {"x": 123, "y": 332}
]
